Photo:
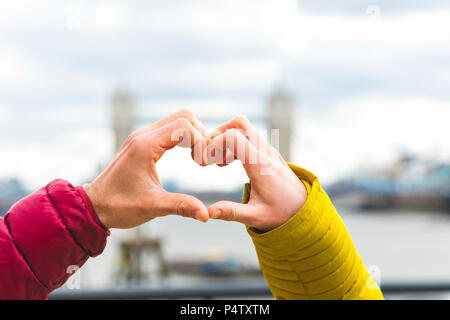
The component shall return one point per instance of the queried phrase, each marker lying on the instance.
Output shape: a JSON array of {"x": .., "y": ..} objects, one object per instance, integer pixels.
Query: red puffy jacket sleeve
[{"x": 43, "y": 237}]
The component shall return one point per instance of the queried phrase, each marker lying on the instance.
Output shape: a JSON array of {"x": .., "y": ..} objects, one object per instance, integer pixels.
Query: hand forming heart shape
[{"x": 128, "y": 193}]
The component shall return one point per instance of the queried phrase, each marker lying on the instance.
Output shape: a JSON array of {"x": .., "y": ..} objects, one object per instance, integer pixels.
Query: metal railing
[{"x": 235, "y": 290}]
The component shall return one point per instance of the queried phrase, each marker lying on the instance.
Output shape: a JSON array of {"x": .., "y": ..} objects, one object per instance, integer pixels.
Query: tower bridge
[
  {"x": 279, "y": 115},
  {"x": 134, "y": 251}
]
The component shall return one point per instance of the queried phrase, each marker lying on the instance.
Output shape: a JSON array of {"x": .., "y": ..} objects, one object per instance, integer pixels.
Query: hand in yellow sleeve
[{"x": 303, "y": 247}]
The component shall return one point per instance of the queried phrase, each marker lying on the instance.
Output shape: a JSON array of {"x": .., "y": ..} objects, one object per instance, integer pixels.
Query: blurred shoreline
[{"x": 404, "y": 247}]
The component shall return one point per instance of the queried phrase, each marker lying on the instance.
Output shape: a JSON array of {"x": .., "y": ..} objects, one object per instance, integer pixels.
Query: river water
[{"x": 403, "y": 246}]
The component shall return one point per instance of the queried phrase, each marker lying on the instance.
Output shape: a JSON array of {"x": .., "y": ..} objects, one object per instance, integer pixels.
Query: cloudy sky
[{"x": 370, "y": 79}]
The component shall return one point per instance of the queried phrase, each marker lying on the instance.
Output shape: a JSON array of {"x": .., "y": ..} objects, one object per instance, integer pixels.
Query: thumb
[
  {"x": 180, "y": 204},
  {"x": 232, "y": 211}
]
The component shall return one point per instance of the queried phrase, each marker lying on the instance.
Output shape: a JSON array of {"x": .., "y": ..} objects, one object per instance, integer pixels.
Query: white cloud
[
  {"x": 421, "y": 31},
  {"x": 19, "y": 15},
  {"x": 17, "y": 69},
  {"x": 104, "y": 17},
  {"x": 73, "y": 157},
  {"x": 202, "y": 108},
  {"x": 228, "y": 75},
  {"x": 370, "y": 132},
  {"x": 207, "y": 55}
]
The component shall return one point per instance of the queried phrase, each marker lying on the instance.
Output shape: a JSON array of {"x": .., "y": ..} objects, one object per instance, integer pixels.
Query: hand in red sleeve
[{"x": 128, "y": 193}]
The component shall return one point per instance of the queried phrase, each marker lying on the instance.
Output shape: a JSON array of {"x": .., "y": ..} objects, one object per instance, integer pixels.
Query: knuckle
[
  {"x": 230, "y": 214},
  {"x": 234, "y": 137},
  {"x": 129, "y": 138},
  {"x": 140, "y": 144},
  {"x": 134, "y": 142},
  {"x": 233, "y": 214},
  {"x": 185, "y": 113},
  {"x": 182, "y": 123},
  {"x": 230, "y": 137},
  {"x": 181, "y": 208},
  {"x": 241, "y": 120},
  {"x": 245, "y": 126},
  {"x": 233, "y": 133}
]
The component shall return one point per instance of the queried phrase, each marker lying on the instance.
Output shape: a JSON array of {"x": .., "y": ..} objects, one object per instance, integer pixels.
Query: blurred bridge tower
[
  {"x": 139, "y": 249},
  {"x": 123, "y": 114},
  {"x": 281, "y": 117}
]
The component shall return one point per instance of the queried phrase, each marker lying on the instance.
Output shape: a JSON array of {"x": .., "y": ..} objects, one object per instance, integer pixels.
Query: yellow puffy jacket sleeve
[{"x": 312, "y": 256}]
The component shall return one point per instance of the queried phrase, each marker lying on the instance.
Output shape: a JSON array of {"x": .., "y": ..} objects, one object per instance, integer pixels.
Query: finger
[
  {"x": 180, "y": 132},
  {"x": 195, "y": 155},
  {"x": 233, "y": 211},
  {"x": 183, "y": 113},
  {"x": 184, "y": 205},
  {"x": 187, "y": 114},
  {"x": 238, "y": 122},
  {"x": 222, "y": 156},
  {"x": 239, "y": 147},
  {"x": 247, "y": 128},
  {"x": 228, "y": 158}
]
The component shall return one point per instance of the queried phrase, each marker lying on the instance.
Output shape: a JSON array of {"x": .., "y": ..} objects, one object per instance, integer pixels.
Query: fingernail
[{"x": 198, "y": 215}]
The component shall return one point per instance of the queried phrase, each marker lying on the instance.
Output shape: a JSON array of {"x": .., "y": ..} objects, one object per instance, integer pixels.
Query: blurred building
[
  {"x": 408, "y": 183},
  {"x": 11, "y": 190},
  {"x": 281, "y": 115},
  {"x": 123, "y": 114},
  {"x": 137, "y": 250}
]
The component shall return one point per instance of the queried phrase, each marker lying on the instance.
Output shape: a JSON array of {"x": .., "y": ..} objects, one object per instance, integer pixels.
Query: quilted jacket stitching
[{"x": 65, "y": 224}]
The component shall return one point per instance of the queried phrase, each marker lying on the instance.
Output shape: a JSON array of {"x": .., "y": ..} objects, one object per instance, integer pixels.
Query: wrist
[
  {"x": 100, "y": 211},
  {"x": 285, "y": 214}
]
